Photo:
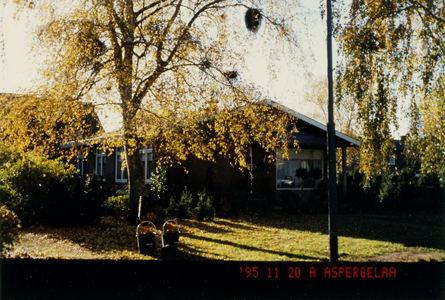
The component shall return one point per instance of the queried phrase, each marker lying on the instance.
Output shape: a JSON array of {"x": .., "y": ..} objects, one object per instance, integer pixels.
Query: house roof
[
  {"x": 305, "y": 137},
  {"x": 95, "y": 140},
  {"x": 8, "y": 95},
  {"x": 313, "y": 135}
]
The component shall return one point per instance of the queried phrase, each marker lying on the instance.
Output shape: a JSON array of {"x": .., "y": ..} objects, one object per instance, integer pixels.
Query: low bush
[
  {"x": 9, "y": 226},
  {"x": 27, "y": 182},
  {"x": 430, "y": 180},
  {"x": 183, "y": 209},
  {"x": 190, "y": 208},
  {"x": 398, "y": 191},
  {"x": 158, "y": 187},
  {"x": 289, "y": 201},
  {"x": 45, "y": 191},
  {"x": 363, "y": 194},
  {"x": 204, "y": 208},
  {"x": 394, "y": 189},
  {"x": 119, "y": 204},
  {"x": 390, "y": 190},
  {"x": 424, "y": 199}
]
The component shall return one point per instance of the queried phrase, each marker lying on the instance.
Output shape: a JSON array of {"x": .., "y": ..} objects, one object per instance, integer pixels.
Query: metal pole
[{"x": 332, "y": 194}]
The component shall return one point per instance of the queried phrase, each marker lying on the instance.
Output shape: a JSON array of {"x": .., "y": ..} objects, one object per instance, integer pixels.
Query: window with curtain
[
  {"x": 304, "y": 159},
  {"x": 121, "y": 173},
  {"x": 101, "y": 159},
  {"x": 81, "y": 165},
  {"x": 146, "y": 160}
]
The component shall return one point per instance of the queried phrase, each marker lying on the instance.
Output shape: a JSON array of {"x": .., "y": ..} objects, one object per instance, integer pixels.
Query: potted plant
[
  {"x": 315, "y": 174},
  {"x": 146, "y": 237},
  {"x": 170, "y": 238},
  {"x": 303, "y": 174}
]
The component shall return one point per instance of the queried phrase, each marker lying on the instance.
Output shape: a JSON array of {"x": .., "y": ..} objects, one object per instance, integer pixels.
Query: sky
[{"x": 18, "y": 67}]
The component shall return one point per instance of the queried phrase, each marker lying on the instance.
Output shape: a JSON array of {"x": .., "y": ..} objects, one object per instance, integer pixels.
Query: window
[
  {"x": 146, "y": 160},
  {"x": 81, "y": 165},
  {"x": 287, "y": 167},
  {"x": 121, "y": 171},
  {"x": 101, "y": 160},
  {"x": 392, "y": 161}
]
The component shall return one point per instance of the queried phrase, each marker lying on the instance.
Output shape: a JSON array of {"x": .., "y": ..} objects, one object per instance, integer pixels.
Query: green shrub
[
  {"x": 362, "y": 194},
  {"x": 204, "y": 208},
  {"x": 27, "y": 182},
  {"x": 173, "y": 208},
  {"x": 158, "y": 187},
  {"x": 394, "y": 189},
  {"x": 186, "y": 203},
  {"x": 424, "y": 199},
  {"x": 290, "y": 201},
  {"x": 442, "y": 176},
  {"x": 9, "y": 226},
  {"x": 390, "y": 190},
  {"x": 399, "y": 191},
  {"x": 92, "y": 198},
  {"x": 7, "y": 155},
  {"x": 120, "y": 204},
  {"x": 186, "y": 199},
  {"x": 430, "y": 180},
  {"x": 188, "y": 207},
  {"x": 45, "y": 191}
]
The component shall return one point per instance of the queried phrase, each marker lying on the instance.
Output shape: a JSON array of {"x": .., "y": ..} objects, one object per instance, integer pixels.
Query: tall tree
[
  {"x": 390, "y": 50},
  {"x": 163, "y": 65},
  {"x": 316, "y": 94},
  {"x": 425, "y": 142},
  {"x": 345, "y": 115}
]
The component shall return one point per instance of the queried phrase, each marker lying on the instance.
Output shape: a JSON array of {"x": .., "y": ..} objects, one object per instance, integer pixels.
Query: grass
[
  {"x": 254, "y": 237},
  {"x": 278, "y": 237},
  {"x": 244, "y": 240}
]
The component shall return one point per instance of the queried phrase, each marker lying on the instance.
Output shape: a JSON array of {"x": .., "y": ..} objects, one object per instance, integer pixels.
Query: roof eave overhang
[{"x": 351, "y": 141}]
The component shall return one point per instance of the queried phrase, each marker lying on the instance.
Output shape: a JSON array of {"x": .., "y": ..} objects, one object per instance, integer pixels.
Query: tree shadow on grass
[
  {"x": 396, "y": 230},
  {"x": 410, "y": 229},
  {"x": 211, "y": 228},
  {"x": 233, "y": 224},
  {"x": 302, "y": 222},
  {"x": 188, "y": 253},
  {"x": 250, "y": 248}
]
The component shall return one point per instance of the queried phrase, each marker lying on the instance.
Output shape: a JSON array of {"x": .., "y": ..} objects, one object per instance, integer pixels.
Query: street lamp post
[
  {"x": 253, "y": 21},
  {"x": 332, "y": 193}
]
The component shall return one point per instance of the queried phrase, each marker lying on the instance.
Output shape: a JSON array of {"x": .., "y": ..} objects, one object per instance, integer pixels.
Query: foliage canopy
[
  {"x": 162, "y": 65},
  {"x": 393, "y": 50}
]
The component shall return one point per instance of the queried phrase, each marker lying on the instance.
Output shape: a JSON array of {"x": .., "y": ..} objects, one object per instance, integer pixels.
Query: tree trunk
[
  {"x": 136, "y": 178},
  {"x": 136, "y": 183},
  {"x": 208, "y": 180}
]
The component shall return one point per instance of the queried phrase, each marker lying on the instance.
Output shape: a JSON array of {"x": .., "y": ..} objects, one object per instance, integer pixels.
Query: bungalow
[
  {"x": 265, "y": 180},
  {"x": 109, "y": 166},
  {"x": 268, "y": 181}
]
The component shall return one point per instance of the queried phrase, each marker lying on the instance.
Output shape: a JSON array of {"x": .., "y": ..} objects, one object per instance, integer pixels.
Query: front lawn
[{"x": 254, "y": 237}]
